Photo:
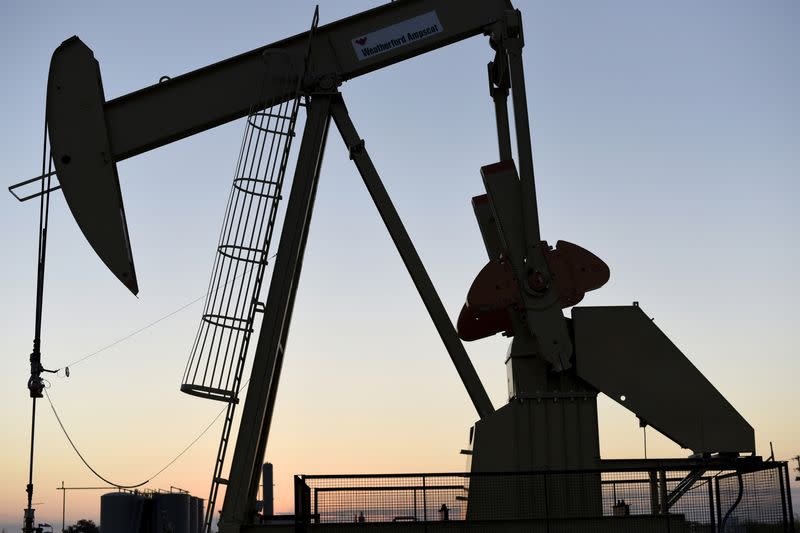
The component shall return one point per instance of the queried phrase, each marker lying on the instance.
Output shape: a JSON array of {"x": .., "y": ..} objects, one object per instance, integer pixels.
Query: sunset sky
[{"x": 666, "y": 140}]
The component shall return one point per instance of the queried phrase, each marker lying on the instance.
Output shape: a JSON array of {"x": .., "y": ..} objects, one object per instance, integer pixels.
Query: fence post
[
  {"x": 663, "y": 491},
  {"x": 719, "y": 505},
  {"x": 653, "y": 492},
  {"x": 316, "y": 505},
  {"x": 711, "y": 513},
  {"x": 783, "y": 499},
  {"x": 302, "y": 504},
  {"x": 546, "y": 502},
  {"x": 424, "y": 501}
]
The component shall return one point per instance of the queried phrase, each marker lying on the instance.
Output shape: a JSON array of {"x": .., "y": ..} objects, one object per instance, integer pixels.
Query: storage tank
[
  {"x": 194, "y": 525},
  {"x": 201, "y": 515},
  {"x": 148, "y": 515},
  {"x": 121, "y": 512},
  {"x": 171, "y": 512}
]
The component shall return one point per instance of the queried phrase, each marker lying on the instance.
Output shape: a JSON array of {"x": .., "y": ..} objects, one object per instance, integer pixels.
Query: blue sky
[{"x": 665, "y": 140}]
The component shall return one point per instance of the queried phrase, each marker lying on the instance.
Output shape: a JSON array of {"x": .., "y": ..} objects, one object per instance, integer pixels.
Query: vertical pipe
[
  {"x": 63, "y": 507},
  {"x": 644, "y": 436},
  {"x": 35, "y": 385},
  {"x": 663, "y": 490},
  {"x": 266, "y": 490},
  {"x": 29, "y": 520},
  {"x": 783, "y": 498},
  {"x": 711, "y": 506}
]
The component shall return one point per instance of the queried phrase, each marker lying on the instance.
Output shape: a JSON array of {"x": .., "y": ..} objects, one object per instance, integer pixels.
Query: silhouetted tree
[{"x": 83, "y": 526}]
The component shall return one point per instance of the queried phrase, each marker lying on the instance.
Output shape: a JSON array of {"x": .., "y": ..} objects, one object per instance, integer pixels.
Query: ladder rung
[
  {"x": 257, "y": 180},
  {"x": 228, "y": 322},
  {"x": 271, "y": 115},
  {"x": 257, "y": 193},
  {"x": 289, "y": 133},
  {"x": 261, "y": 194},
  {"x": 242, "y": 253},
  {"x": 220, "y": 480}
]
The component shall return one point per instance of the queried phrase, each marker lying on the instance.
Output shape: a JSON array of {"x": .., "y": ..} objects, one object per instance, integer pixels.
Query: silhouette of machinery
[{"x": 556, "y": 365}]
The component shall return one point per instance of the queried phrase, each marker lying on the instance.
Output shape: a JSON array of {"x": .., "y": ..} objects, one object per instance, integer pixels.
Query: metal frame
[
  {"x": 13, "y": 188},
  {"x": 260, "y": 401},
  {"x": 137, "y": 122},
  {"x": 254, "y": 427}
]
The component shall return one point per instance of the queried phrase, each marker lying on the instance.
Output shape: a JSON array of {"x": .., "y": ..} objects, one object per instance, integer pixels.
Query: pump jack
[{"x": 521, "y": 291}]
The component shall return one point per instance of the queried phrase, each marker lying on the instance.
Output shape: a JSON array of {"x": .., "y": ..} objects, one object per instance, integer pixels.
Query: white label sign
[{"x": 397, "y": 35}]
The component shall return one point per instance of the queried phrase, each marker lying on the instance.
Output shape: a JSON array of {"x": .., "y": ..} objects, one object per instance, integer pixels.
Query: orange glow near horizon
[{"x": 665, "y": 141}]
